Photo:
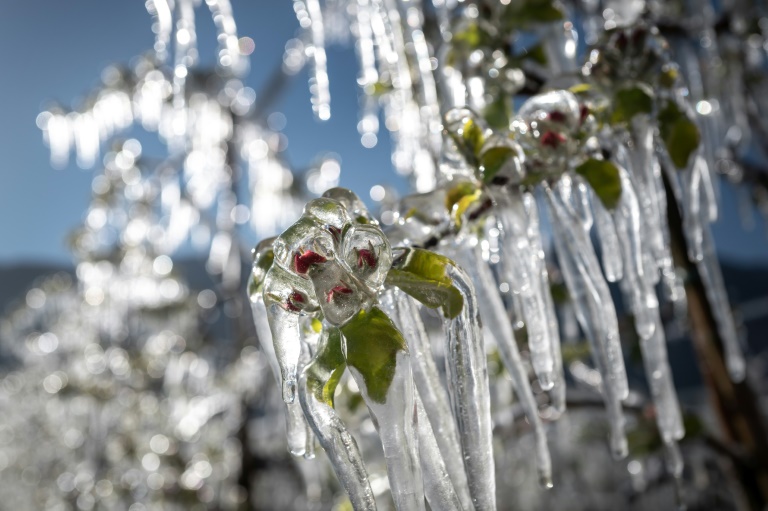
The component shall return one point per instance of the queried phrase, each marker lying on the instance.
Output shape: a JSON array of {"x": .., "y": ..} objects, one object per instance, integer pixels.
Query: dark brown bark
[{"x": 734, "y": 404}]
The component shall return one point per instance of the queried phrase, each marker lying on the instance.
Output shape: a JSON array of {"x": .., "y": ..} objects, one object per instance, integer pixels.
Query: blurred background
[{"x": 155, "y": 395}]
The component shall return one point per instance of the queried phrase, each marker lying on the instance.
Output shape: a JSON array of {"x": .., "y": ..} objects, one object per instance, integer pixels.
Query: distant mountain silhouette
[
  {"x": 17, "y": 279},
  {"x": 747, "y": 289}
]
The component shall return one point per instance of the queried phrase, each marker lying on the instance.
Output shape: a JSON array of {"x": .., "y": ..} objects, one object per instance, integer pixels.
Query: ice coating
[
  {"x": 593, "y": 306},
  {"x": 331, "y": 264},
  {"x": 494, "y": 316},
  {"x": 438, "y": 487},
  {"x": 389, "y": 397},
  {"x": 470, "y": 397},
  {"x": 547, "y": 124},
  {"x": 432, "y": 395},
  {"x": 520, "y": 267},
  {"x": 318, "y": 382}
]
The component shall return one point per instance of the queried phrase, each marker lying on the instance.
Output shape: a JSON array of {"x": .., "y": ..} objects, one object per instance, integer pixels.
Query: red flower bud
[
  {"x": 552, "y": 139},
  {"x": 302, "y": 262}
]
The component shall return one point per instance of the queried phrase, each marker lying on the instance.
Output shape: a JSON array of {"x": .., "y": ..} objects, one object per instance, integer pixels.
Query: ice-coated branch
[
  {"x": 470, "y": 396},
  {"x": 317, "y": 385}
]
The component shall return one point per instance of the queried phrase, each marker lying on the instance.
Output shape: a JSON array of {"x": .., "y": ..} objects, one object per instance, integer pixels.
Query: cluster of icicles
[
  {"x": 201, "y": 115},
  {"x": 314, "y": 283},
  {"x": 409, "y": 71}
]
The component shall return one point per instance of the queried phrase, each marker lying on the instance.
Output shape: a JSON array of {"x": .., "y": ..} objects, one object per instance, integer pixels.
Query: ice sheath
[
  {"x": 317, "y": 384},
  {"x": 593, "y": 305},
  {"x": 494, "y": 317},
  {"x": 470, "y": 396},
  {"x": 297, "y": 430},
  {"x": 405, "y": 313}
]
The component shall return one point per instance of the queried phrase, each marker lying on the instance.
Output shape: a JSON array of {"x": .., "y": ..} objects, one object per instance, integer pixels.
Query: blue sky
[{"x": 56, "y": 49}]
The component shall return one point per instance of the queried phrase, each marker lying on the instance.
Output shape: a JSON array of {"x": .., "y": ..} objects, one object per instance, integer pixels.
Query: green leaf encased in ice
[
  {"x": 629, "y": 102},
  {"x": 497, "y": 113},
  {"x": 523, "y": 13},
  {"x": 679, "y": 133},
  {"x": 372, "y": 344},
  {"x": 460, "y": 198},
  {"x": 603, "y": 178},
  {"x": 326, "y": 367},
  {"x": 424, "y": 275},
  {"x": 473, "y": 137},
  {"x": 493, "y": 160}
]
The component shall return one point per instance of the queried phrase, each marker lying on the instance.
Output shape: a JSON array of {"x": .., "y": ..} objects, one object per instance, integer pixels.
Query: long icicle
[
  {"x": 523, "y": 278},
  {"x": 438, "y": 487},
  {"x": 470, "y": 395},
  {"x": 404, "y": 311},
  {"x": 557, "y": 392},
  {"x": 310, "y": 17},
  {"x": 494, "y": 317},
  {"x": 644, "y": 305},
  {"x": 594, "y": 310},
  {"x": 295, "y": 423}
]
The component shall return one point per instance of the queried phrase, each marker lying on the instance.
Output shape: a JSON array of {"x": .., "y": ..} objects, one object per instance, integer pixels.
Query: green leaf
[
  {"x": 372, "y": 344},
  {"x": 631, "y": 101},
  {"x": 460, "y": 198},
  {"x": 559, "y": 293},
  {"x": 473, "y": 137},
  {"x": 537, "y": 54},
  {"x": 524, "y": 13},
  {"x": 327, "y": 366},
  {"x": 573, "y": 351},
  {"x": 580, "y": 88},
  {"x": 668, "y": 76},
  {"x": 493, "y": 161},
  {"x": 679, "y": 133},
  {"x": 497, "y": 113},
  {"x": 603, "y": 177},
  {"x": 424, "y": 275},
  {"x": 472, "y": 37},
  {"x": 380, "y": 88}
]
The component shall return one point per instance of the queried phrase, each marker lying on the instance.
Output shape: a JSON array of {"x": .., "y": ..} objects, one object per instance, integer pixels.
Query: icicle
[
  {"x": 701, "y": 251},
  {"x": 470, "y": 396},
  {"x": 318, "y": 381},
  {"x": 609, "y": 243},
  {"x": 394, "y": 414},
  {"x": 642, "y": 297},
  {"x": 594, "y": 309},
  {"x": 674, "y": 463},
  {"x": 581, "y": 203},
  {"x": 310, "y": 17},
  {"x": 229, "y": 56},
  {"x": 368, "y": 75},
  {"x": 186, "y": 47},
  {"x": 404, "y": 311},
  {"x": 693, "y": 219},
  {"x": 494, "y": 317},
  {"x": 161, "y": 11},
  {"x": 295, "y": 423},
  {"x": 643, "y": 164},
  {"x": 438, "y": 487},
  {"x": 519, "y": 266},
  {"x": 429, "y": 105},
  {"x": 557, "y": 392},
  {"x": 644, "y": 305}
]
